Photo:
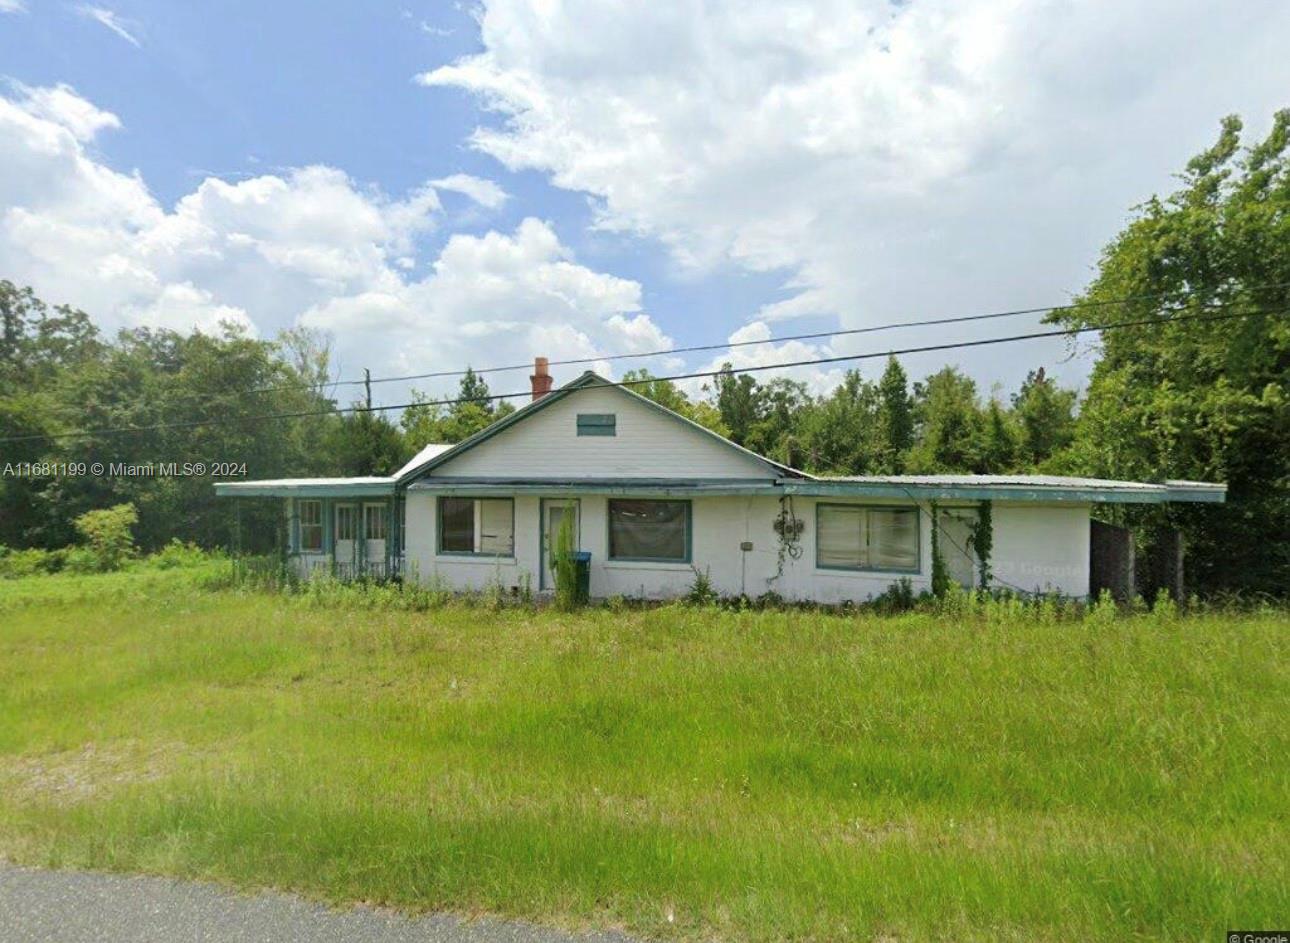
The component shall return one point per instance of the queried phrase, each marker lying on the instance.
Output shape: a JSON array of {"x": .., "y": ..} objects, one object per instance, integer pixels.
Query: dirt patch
[{"x": 70, "y": 776}]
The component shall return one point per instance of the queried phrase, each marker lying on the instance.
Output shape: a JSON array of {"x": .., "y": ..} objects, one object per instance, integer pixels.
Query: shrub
[
  {"x": 107, "y": 535},
  {"x": 565, "y": 565},
  {"x": 702, "y": 592},
  {"x": 1105, "y": 610},
  {"x": 81, "y": 560},
  {"x": 178, "y": 554},
  {"x": 898, "y": 597},
  {"x": 1164, "y": 610},
  {"x": 19, "y": 563}
]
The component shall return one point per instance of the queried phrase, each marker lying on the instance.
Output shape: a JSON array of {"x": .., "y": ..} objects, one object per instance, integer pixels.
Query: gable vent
[{"x": 597, "y": 424}]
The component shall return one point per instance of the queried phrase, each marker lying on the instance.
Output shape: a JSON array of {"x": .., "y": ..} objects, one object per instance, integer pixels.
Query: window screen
[
  {"x": 374, "y": 522},
  {"x": 649, "y": 530},
  {"x": 865, "y": 538},
  {"x": 311, "y": 532},
  {"x": 346, "y": 521}
]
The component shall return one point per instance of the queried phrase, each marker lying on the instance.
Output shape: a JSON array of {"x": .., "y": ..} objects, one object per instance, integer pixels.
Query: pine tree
[{"x": 896, "y": 416}]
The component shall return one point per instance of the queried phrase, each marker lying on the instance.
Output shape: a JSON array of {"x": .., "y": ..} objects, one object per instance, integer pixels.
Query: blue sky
[{"x": 673, "y": 174}]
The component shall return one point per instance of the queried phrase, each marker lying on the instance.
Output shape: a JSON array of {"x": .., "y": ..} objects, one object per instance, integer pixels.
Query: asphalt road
[{"x": 77, "y": 907}]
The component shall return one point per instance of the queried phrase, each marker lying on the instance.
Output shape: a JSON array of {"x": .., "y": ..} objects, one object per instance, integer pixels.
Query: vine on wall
[
  {"x": 788, "y": 531},
  {"x": 940, "y": 575},
  {"x": 982, "y": 541}
]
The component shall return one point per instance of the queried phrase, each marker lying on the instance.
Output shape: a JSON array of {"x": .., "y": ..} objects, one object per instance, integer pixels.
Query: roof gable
[{"x": 753, "y": 463}]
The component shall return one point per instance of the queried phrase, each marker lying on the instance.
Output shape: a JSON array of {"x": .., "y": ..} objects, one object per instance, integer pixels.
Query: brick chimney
[{"x": 541, "y": 378}]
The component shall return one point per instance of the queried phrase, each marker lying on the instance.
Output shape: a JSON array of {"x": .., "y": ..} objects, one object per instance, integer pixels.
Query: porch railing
[{"x": 346, "y": 570}]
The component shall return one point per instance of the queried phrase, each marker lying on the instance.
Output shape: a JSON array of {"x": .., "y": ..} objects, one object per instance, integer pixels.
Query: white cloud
[
  {"x": 12, "y": 6},
  {"x": 304, "y": 246},
  {"x": 762, "y": 351},
  {"x": 893, "y": 159},
  {"x": 109, "y": 19},
  {"x": 491, "y": 299},
  {"x": 484, "y": 192},
  {"x": 61, "y": 105}
]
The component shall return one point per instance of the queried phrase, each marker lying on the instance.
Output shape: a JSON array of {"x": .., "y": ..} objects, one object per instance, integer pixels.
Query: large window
[
  {"x": 484, "y": 526},
  {"x": 850, "y": 537},
  {"x": 649, "y": 530},
  {"x": 311, "y": 530}
]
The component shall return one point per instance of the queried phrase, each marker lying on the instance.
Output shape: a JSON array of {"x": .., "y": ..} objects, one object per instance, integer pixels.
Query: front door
[
  {"x": 553, "y": 514},
  {"x": 375, "y": 521},
  {"x": 345, "y": 546}
]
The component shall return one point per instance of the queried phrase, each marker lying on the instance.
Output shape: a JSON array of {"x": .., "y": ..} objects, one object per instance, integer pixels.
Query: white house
[{"x": 656, "y": 497}]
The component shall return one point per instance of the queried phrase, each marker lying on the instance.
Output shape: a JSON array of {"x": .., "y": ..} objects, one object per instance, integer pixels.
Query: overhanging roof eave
[{"x": 304, "y": 489}]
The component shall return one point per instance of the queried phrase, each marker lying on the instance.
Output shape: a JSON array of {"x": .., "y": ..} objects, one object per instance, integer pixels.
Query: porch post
[
  {"x": 391, "y": 534},
  {"x": 236, "y": 550},
  {"x": 328, "y": 536}
]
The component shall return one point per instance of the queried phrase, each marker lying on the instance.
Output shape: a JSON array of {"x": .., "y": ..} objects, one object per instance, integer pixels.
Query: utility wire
[
  {"x": 705, "y": 374},
  {"x": 818, "y": 335}
]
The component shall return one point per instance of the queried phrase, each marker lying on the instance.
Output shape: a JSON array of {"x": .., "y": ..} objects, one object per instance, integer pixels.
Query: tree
[
  {"x": 1203, "y": 400},
  {"x": 779, "y": 407},
  {"x": 842, "y": 432},
  {"x": 999, "y": 441},
  {"x": 896, "y": 417},
  {"x": 57, "y": 374},
  {"x": 473, "y": 391},
  {"x": 472, "y": 410},
  {"x": 307, "y": 350},
  {"x": 950, "y": 426},
  {"x": 1046, "y": 415},
  {"x": 666, "y": 393},
  {"x": 365, "y": 443},
  {"x": 35, "y": 342},
  {"x": 737, "y": 402},
  {"x": 107, "y": 535}
]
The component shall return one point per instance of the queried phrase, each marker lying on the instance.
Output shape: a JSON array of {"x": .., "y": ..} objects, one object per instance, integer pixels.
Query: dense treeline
[
  {"x": 1199, "y": 400},
  {"x": 199, "y": 398}
]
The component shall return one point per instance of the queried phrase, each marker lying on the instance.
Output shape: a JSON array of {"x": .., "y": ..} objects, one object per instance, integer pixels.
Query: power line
[
  {"x": 705, "y": 374},
  {"x": 817, "y": 335}
]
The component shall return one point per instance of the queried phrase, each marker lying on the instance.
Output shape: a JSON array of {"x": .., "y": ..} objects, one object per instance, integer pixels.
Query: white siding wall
[
  {"x": 648, "y": 444},
  {"x": 1034, "y": 547},
  {"x": 1044, "y": 548}
]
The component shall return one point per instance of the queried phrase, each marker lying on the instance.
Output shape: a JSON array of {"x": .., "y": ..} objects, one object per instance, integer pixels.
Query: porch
[{"x": 345, "y": 528}]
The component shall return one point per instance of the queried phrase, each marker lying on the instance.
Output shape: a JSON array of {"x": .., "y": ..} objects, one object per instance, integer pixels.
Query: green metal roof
[
  {"x": 1027, "y": 488},
  {"x": 640, "y": 487},
  {"x": 307, "y": 488}
]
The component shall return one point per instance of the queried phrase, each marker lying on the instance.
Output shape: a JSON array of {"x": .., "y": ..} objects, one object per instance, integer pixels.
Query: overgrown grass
[{"x": 692, "y": 772}]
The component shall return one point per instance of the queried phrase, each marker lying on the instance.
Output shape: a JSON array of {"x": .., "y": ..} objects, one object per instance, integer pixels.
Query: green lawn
[{"x": 677, "y": 772}]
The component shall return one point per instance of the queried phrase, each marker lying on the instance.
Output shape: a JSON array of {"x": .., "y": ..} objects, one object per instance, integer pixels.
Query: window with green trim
[
  {"x": 481, "y": 526},
  {"x": 311, "y": 529},
  {"x": 855, "y": 537},
  {"x": 649, "y": 530},
  {"x": 597, "y": 424}
]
